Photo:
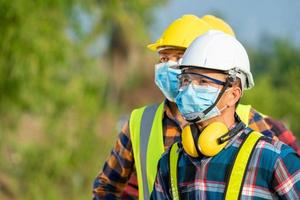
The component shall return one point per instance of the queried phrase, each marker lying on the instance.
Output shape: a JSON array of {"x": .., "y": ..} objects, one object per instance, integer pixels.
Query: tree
[
  {"x": 124, "y": 25},
  {"x": 276, "y": 66},
  {"x": 53, "y": 128}
]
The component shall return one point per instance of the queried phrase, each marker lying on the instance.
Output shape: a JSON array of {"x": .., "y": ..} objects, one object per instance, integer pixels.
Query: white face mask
[{"x": 166, "y": 79}]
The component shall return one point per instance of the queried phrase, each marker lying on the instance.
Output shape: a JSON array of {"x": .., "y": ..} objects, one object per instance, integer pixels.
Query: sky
[{"x": 251, "y": 20}]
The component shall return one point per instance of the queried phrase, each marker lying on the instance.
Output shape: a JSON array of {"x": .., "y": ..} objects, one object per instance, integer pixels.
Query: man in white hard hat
[
  {"x": 138, "y": 149},
  {"x": 219, "y": 157}
]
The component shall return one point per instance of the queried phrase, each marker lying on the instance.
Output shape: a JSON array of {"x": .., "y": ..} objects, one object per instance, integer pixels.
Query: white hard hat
[{"x": 219, "y": 51}]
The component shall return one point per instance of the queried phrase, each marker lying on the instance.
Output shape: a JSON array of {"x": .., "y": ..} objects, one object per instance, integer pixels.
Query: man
[
  {"x": 219, "y": 157},
  {"x": 127, "y": 160}
]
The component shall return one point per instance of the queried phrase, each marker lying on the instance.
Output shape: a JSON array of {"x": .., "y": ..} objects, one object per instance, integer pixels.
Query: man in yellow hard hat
[{"x": 152, "y": 129}]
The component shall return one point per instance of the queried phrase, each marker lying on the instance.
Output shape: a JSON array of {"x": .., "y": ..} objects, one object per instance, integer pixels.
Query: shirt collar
[{"x": 232, "y": 140}]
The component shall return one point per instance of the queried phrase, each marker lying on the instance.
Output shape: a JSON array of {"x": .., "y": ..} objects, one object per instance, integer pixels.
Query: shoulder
[
  {"x": 275, "y": 146},
  {"x": 275, "y": 151},
  {"x": 137, "y": 112},
  {"x": 255, "y": 115},
  {"x": 138, "y": 109},
  {"x": 163, "y": 103},
  {"x": 268, "y": 147},
  {"x": 258, "y": 123},
  {"x": 285, "y": 152},
  {"x": 276, "y": 166}
]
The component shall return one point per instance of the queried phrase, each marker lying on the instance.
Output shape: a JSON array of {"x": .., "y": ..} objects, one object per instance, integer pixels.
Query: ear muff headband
[{"x": 231, "y": 133}]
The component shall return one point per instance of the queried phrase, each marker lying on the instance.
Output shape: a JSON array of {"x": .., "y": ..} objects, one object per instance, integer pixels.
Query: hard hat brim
[
  {"x": 153, "y": 46},
  {"x": 159, "y": 47}
]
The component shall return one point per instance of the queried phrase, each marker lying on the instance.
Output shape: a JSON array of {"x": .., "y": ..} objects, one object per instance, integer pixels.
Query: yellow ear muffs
[
  {"x": 188, "y": 142},
  {"x": 208, "y": 143}
]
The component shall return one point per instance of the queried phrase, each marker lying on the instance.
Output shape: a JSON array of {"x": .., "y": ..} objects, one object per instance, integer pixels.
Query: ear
[{"x": 233, "y": 96}]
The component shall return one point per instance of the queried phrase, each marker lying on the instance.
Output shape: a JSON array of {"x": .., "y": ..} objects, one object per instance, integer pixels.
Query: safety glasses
[{"x": 197, "y": 79}]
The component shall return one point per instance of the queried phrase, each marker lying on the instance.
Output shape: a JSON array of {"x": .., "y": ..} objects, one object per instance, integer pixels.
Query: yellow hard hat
[
  {"x": 218, "y": 24},
  {"x": 181, "y": 32},
  {"x": 184, "y": 30}
]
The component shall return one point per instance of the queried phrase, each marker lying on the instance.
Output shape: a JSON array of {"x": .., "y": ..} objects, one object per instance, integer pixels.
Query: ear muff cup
[
  {"x": 208, "y": 143},
  {"x": 188, "y": 142}
]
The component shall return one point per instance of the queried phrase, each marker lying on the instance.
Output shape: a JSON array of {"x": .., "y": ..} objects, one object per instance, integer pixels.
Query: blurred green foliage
[
  {"x": 68, "y": 69},
  {"x": 58, "y": 108},
  {"x": 276, "y": 68}
]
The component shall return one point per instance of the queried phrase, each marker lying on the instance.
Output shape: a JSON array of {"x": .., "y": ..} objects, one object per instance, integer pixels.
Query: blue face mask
[
  {"x": 166, "y": 79},
  {"x": 192, "y": 100}
]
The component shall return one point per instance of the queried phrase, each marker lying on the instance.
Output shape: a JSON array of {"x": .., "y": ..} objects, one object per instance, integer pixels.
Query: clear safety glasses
[{"x": 197, "y": 79}]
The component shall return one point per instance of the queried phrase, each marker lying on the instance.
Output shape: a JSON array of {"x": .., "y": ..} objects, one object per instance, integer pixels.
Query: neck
[
  {"x": 175, "y": 112},
  {"x": 173, "y": 107},
  {"x": 226, "y": 117}
]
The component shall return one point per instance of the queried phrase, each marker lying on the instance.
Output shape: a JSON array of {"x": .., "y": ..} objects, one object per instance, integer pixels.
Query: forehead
[
  {"x": 211, "y": 73},
  {"x": 174, "y": 51}
]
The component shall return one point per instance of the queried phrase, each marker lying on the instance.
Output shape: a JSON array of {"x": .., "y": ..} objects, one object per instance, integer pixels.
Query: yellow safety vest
[
  {"x": 146, "y": 132},
  {"x": 243, "y": 112},
  {"x": 235, "y": 183}
]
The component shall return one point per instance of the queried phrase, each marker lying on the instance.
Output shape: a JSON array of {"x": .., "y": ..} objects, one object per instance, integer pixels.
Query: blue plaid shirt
[{"x": 273, "y": 172}]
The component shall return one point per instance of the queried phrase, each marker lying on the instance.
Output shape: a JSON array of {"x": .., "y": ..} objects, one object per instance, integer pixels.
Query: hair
[{"x": 238, "y": 83}]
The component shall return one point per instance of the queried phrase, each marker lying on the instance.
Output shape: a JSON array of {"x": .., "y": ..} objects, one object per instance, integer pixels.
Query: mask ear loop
[{"x": 228, "y": 83}]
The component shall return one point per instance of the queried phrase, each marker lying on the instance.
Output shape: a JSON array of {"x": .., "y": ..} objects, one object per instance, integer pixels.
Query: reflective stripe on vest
[
  {"x": 236, "y": 179},
  {"x": 243, "y": 112},
  {"x": 146, "y": 132},
  {"x": 174, "y": 155}
]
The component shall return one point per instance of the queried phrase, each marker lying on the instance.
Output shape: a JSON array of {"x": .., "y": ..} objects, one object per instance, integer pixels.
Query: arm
[
  {"x": 117, "y": 169},
  {"x": 283, "y": 134},
  {"x": 272, "y": 128},
  {"x": 286, "y": 181}
]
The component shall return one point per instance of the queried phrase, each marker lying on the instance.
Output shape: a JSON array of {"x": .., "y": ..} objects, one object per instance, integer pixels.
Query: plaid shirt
[
  {"x": 118, "y": 176},
  {"x": 273, "y": 172}
]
